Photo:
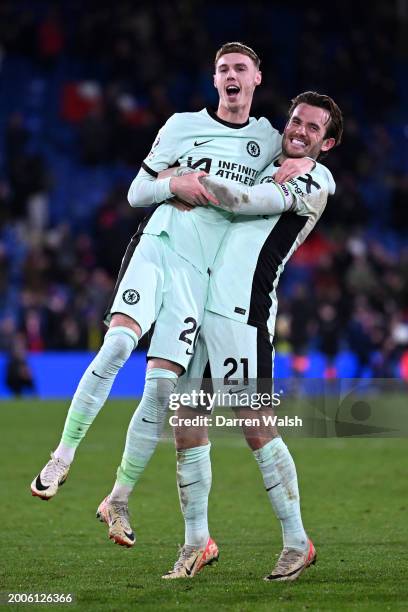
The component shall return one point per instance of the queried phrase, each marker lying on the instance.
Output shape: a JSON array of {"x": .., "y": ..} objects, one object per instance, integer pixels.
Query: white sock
[
  {"x": 144, "y": 430},
  {"x": 120, "y": 492},
  {"x": 64, "y": 452},
  {"x": 279, "y": 475},
  {"x": 194, "y": 484}
]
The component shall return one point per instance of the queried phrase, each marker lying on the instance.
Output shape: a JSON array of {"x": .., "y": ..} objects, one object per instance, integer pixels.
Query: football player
[
  {"x": 238, "y": 329},
  {"x": 164, "y": 274}
]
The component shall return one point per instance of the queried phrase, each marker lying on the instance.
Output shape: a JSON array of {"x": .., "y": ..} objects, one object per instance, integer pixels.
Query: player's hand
[
  {"x": 189, "y": 189},
  {"x": 180, "y": 205},
  {"x": 293, "y": 167}
]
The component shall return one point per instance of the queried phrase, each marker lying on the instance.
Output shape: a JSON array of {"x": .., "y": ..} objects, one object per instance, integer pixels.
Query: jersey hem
[
  {"x": 229, "y": 315},
  {"x": 235, "y": 317}
]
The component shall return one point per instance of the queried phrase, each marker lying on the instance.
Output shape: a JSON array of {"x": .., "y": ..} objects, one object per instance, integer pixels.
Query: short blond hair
[{"x": 237, "y": 47}]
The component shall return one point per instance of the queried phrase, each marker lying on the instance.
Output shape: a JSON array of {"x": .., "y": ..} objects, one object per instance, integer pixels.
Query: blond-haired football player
[{"x": 164, "y": 276}]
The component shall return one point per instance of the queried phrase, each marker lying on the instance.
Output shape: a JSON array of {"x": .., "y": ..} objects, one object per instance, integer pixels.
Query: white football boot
[{"x": 52, "y": 476}]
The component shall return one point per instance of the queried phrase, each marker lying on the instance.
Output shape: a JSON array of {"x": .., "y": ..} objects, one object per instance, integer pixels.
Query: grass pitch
[{"x": 354, "y": 499}]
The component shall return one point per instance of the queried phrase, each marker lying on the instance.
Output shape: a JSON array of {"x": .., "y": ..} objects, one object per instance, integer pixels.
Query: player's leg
[
  {"x": 279, "y": 475},
  {"x": 146, "y": 425},
  {"x": 96, "y": 382},
  {"x": 241, "y": 358},
  {"x": 134, "y": 306},
  {"x": 170, "y": 352},
  {"x": 143, "y": 434},
  {"x": 193, "y": 473}
]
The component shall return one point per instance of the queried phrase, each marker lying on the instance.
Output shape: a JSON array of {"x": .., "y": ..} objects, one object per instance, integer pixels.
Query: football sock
[
  {"x": 194, "y": 484},
  {"x": 64, "y": 452},
  {"x": 94, "y": 388},
  {"x": 279, "y": 475},
  {"x": 144, "y": 430}
]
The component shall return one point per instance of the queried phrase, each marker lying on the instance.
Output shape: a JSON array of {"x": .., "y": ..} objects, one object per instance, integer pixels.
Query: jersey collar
[{"x": 235, "y": 126}]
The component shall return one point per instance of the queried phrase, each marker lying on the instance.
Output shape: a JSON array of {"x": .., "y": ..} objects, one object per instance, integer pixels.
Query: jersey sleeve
[
  {"x": 310, "y": 191},
  {"x": 274, "y": 140},
  {"x": 165, "y": 150},
  {"x": 306, "y": 195},
  {"x": 146, "y": 189}
]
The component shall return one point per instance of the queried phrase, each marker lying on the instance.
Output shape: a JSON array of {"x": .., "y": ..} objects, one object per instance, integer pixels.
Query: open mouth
[
  {"x": 232, "y": 90},
  {"x": 298, "y": 143}
]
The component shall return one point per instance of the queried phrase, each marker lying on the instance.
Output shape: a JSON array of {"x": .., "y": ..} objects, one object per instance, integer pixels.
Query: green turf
[{"x": 354, "y": 496}]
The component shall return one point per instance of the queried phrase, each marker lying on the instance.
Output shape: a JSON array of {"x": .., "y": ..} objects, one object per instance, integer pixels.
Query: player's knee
[
  {"x": 189, "y": 437},
  {"x": 187, "y": 432},
  {"x": 159, "y": 386},
  {"x": 122, "y": 320},
  {"x": 157, "y": 363},
  {"x": 257, "y": 439},
  {"x": 120, "y": 342}
]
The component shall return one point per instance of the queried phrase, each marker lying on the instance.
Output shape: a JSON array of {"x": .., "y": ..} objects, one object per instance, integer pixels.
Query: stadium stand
[{"x": 83, "y": 90}]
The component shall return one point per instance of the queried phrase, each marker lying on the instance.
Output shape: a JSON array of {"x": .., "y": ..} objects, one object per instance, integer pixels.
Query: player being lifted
[
  {"x": 164, "y": 277},
  {"x": 238, "y": 328}
]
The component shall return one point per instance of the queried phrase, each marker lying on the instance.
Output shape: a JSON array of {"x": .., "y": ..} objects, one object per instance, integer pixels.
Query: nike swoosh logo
[
  {"x": 146, "y": 421},
  {"x": 189, "y": 484},
  {"x": 273, "y": 486},
  {"x": 276, "y": 576},
  {"x": 234, "y": 392},
  {"x": 198, "y": 144},
  {"x": 130, "y": 535},
  {"x": 99, "y": 376},
  {"x": 188, "y": 571},
  {"x": 39, "y": 485}
]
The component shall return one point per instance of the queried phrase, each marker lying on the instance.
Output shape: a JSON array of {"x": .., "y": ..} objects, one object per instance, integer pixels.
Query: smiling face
[
  {"x": 305, "y": 132},
  {"x": 236, "y": 77}
]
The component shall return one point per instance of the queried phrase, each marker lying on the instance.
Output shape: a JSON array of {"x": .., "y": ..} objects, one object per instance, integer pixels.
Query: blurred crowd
[{"x": 85, "y": 87}]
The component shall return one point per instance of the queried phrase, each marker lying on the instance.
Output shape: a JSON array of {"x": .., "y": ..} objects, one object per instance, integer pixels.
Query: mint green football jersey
[
  {"x": 254, "y": 251},
  {"x": 200, "y": 140}
]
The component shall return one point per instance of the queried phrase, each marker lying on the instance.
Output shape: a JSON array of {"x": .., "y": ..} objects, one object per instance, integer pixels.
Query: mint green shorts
[{"x": 156, "y": 285}]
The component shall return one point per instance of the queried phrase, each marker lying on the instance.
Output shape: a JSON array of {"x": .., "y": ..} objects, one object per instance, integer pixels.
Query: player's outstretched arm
[
  {"x": 305, "y": 195},
  {"x": 265, "y": 199}
]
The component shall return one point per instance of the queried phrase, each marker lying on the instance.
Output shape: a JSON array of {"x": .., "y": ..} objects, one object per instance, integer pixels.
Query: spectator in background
[
  {"x": 328, "y": 332},
  {"x": 19, "y": 377},
  {"x": 399, "y": 199},
  {"x": 16, "y": 139},
  {"x": 142, "y": 70},
  {"x": 95, "y": 138},
  {"x": 115, "y": 222},
  {"x": 28, "y": 177},
  {"x": 301, "y": 317},
  {"x": 50, "y": 38}
]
